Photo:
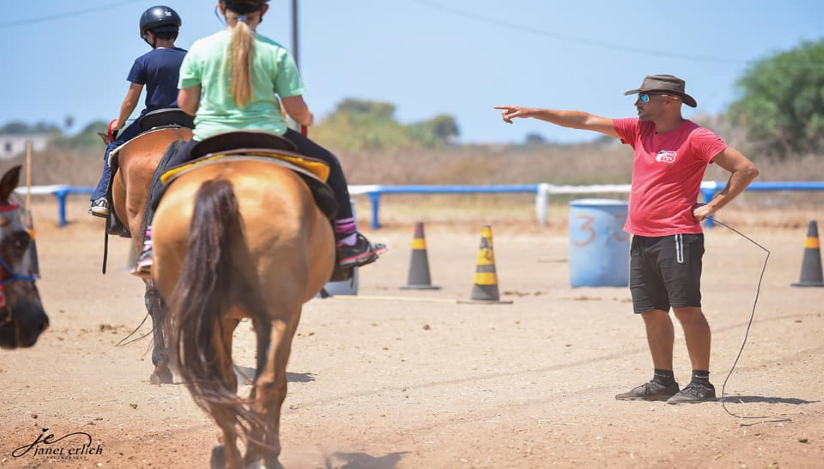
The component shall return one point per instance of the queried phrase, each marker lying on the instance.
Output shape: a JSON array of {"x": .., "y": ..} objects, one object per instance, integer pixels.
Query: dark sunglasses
[{"x": 645, "y": 97}]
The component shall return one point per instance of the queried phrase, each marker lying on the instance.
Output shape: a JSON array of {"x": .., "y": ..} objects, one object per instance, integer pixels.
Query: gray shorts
[{"x": 665, "y": 271}]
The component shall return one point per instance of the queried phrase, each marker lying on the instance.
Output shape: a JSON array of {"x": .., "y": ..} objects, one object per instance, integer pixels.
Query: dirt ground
[{"x": 418, "y": 382}]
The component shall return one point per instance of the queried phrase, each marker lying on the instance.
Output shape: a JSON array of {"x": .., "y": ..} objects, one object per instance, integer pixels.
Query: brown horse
[
  {"x": 22, "y": 318},
  {"x": 137, "y": 161},
  {"x": 238, "y": 239}
]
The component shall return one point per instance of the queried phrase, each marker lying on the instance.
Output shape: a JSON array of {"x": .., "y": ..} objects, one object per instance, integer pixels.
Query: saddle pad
[
  {"x": 324, "y": 197},
  {"x": 317, "y": 169},
  {"x": 115, "y": 151}
]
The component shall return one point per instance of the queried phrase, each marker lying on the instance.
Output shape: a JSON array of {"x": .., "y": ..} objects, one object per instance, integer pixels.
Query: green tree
[
  {"x": 372, "y": 109},
  {"x": 86, "y": 138},
  {"x": 17, "y": 127},
  {"x": 534, "y": 138},
  {"x": 357, "y": 125},
  {"x": 436, "y": 131},
  {"x": 782, "y": 104}
]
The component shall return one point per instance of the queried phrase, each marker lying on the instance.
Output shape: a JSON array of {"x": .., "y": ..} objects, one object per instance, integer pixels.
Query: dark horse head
[{"x": 22, "y": 318}]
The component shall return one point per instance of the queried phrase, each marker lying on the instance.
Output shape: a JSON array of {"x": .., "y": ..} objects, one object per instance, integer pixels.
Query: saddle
[
  {"x": 151, "y": 121},
  {"x": 168, "y": 117},
  {"x": 262, "y": 146}
]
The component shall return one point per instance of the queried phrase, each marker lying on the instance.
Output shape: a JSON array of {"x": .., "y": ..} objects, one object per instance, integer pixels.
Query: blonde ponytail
[{"x": 242, "y": 52}]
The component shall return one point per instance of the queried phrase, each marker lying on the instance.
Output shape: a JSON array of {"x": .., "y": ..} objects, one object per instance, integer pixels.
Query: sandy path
[{"x": 412, "y": 384}]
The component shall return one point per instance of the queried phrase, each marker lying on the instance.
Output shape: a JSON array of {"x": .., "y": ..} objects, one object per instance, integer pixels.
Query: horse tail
[{"x": 209, "y": 284}]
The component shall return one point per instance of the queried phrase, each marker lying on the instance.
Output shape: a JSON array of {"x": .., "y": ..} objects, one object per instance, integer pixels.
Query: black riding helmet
[
  {"x": 244, "y": 6},
  {"x": 159, "y": 19}
]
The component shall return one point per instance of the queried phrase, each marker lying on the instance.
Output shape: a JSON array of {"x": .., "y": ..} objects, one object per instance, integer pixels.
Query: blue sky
[{"x": 428, "y": 57}]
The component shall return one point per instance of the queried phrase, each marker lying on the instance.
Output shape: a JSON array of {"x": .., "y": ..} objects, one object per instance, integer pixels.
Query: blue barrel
[{"x": 598, "y": 244}]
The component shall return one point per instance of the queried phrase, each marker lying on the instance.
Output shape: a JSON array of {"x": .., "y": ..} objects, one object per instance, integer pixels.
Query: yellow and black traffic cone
[
  {"x": 419, "y": 264},
  {"x": 485, "y": 284},
  {"x": 811, "y": 274}
]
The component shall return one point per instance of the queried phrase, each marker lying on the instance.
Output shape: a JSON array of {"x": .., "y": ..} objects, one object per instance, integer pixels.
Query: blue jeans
[{"x": 124, "y": 136}]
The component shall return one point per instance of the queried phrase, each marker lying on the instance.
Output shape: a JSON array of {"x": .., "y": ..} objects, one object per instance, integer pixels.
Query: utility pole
[
  {"x": 296, "y": 51},
  {"x": 295, "y": 47}
]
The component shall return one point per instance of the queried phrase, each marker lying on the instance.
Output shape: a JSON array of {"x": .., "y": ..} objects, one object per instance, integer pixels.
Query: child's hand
[{"x": 116, "y": 125}]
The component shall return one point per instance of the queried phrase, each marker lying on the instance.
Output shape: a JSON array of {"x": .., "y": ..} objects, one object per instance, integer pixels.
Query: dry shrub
[
  {"x": 583, "y": 164},
  {"x": 76, "y": 167},
  {"x": 492, "y": 164}
]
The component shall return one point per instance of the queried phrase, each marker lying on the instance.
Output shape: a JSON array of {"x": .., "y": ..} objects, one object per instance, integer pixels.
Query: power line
[
  {"x": 69, "y": 14},
  {"x": 574, "y": 39}
]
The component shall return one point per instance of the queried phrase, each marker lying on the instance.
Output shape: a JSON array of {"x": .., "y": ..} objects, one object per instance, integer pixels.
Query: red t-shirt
[{"x": 666, "y": 175}]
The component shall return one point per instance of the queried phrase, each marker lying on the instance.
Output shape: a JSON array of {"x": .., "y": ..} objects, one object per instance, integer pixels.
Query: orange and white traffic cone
[
  {"x": 419, "y": 264},
  {"x": 811, "y": 274},
  {"x": 485, "y": 282}
]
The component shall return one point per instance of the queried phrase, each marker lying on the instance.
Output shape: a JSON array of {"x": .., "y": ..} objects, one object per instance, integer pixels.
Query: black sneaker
[
  {"x": 359, "y": 254},
  {"x": 143, "y": 268},
  {"x": 694, "y": 393},
  {"x": 650, "y": 391},
  {"x": 99, "y": 207}
]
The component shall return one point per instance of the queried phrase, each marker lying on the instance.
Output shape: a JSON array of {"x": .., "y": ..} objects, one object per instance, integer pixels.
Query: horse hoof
[
  {"x": 218, "y": 460},
  {"x": 162, "y": 377}
]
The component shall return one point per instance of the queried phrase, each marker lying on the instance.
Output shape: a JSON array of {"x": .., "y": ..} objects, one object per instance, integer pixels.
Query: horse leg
[
  {"x": 157, "y": 308},
  {"x": 270, "y": 391},
  {"x": 226, "y": 455}
]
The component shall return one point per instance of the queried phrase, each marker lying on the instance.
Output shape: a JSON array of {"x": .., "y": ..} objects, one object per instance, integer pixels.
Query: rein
[{"x": 14, "y": 275}]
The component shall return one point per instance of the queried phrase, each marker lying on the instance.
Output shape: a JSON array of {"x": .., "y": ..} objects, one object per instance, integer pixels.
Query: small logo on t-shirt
[{"x": 666, "y": 156}]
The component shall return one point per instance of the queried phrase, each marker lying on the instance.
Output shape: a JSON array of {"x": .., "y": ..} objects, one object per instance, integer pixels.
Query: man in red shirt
[{"x": 671, "y": 155}]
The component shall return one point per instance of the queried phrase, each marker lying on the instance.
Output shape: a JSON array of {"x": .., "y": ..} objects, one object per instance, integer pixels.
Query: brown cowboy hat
[{"x": 666, "y": 84}]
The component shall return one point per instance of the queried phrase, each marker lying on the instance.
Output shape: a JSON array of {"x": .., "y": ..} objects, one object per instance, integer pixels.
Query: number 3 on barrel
[
  {"x": 587, "y": 226},
  {"x": 620, "y": 235}
]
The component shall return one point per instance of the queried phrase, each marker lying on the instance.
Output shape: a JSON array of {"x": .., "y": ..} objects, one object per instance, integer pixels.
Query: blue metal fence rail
[
  {"x": 375, "y": 192},
  {"x": 61, "y": 192},
  {"x": 709, "y": 189}
]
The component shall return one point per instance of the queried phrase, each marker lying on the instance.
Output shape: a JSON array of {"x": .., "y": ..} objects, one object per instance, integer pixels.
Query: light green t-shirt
[{"x": 274, "y": 74}]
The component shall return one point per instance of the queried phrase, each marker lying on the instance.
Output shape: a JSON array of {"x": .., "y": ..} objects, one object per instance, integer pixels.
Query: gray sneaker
[
  {"x": 650, "y": 391},
  {"x": 694, "y": 393},
  {"x": 99, "y": 207}
]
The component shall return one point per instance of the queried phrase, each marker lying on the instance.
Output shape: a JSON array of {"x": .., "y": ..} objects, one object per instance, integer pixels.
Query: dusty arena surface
[{"x": 406, "y": 379}]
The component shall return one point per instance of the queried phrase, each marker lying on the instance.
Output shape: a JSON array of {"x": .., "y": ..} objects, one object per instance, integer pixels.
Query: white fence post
[{"x": 541, "y": 202}]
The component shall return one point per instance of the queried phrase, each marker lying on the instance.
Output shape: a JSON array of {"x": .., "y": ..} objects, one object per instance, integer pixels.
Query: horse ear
[
  {"x": 9, "y": 183},
  {"x": 104, "y": 137}
]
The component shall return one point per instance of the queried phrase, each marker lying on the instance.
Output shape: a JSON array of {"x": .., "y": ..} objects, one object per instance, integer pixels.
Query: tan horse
[
  {"x": 137, "y": 161},
  {"x": 238, "y": 239}
]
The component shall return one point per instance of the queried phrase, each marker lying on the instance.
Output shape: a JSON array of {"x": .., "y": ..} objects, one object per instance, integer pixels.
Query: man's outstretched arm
[{"x": 572, "y": 119}]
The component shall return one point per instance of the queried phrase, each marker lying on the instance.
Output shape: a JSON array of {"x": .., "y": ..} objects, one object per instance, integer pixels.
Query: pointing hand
[{"x": 510, "y": 112}]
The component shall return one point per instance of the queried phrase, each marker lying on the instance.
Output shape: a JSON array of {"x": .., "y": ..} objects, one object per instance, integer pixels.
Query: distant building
[{"x": 12, "y": 145}]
